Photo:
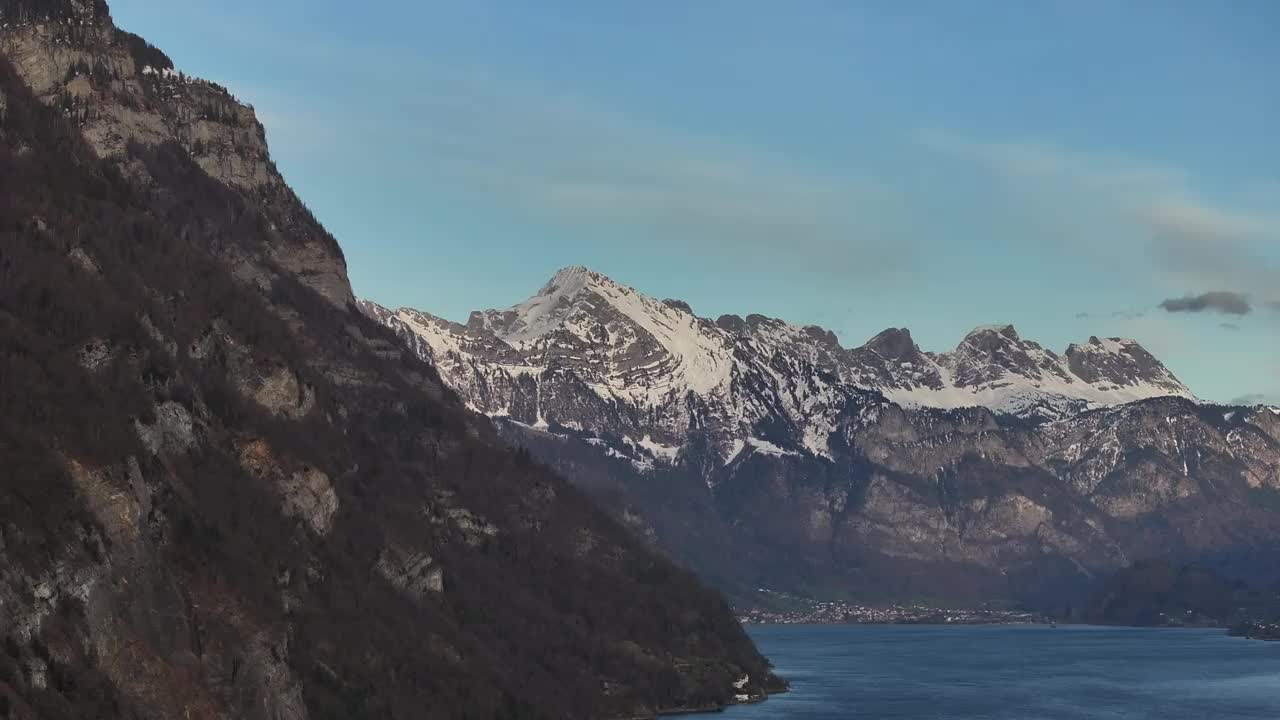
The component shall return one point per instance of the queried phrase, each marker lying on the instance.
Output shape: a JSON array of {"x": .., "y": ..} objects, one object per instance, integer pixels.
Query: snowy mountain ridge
[{"x": 593, "y": 355}]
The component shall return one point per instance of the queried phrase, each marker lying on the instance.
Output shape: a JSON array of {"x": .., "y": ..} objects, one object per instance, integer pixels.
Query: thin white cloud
[
  {"x": 1258, "y": 399},
  {"x": 1032, "y": 158},
  {"x": 584, "y": 164},
  {"x": 591, "y": 169},
  {"x": 1200, "y": 246},
  {"x": 1200, "y": 223}
]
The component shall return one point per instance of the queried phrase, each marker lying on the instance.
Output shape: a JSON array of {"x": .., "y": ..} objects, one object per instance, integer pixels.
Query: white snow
[
  {"x": 1053, "y": 385},
  {"x": 166, "y": 73},
  {"x": 738, "y": 445},
  {"x": 610, "y": 451},
  {"x": 764, "y": 447},
  {"x": 1013, "y": 394},
  {"x": 658, "y": 450},
  {"x": 438, "y": 339}
]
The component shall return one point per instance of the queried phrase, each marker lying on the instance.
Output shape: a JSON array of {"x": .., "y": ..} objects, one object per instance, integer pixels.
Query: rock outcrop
[{"x": 121, "y": 92}]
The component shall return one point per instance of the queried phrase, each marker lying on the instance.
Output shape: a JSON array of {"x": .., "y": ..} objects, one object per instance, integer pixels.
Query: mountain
[
  {"x": 227, "y": 493},
  {"x": 994, "y": 367},
  {"x": 1153, "y": 592},
  {"x": 765, "y": 454},
  {"x": 587, "y": 352},
  {"x": 585, "y": 347}
]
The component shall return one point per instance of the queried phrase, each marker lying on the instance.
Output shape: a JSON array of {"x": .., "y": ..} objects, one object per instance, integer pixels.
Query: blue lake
[{"x": 1016, "y": 673}]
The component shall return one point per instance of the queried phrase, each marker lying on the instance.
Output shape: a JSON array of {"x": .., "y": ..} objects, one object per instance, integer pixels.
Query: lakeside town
[{"x": 805, "y": 611}]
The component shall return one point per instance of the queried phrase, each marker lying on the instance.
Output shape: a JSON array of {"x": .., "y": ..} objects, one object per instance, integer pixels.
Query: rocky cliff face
[
  {"x": 120, "y": 91},
  {"x": 765, "y": 453},
  {"x": 227, "y": 494}
]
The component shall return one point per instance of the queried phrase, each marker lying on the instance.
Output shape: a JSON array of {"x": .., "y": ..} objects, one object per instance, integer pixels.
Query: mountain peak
[
  {"x": 1107, "y": 346},
  {"x": 572, "y": 292},
  {"x": 1121, "y": 362},
  {"x": 568, "y": 280},
  {"x": 1005, "y": 330},
  {"x": 631, "y": 344},
  {"x": 998, "y": 345},
  {"x": 1111, "y": 344},
  {"x": 894, "y": 344}
]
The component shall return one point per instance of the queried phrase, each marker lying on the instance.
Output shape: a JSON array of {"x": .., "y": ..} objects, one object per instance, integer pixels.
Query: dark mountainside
[
  {"x": 765, "y": 455},
  {"x": 1155, "y": 592},
  {"x": 228, "y": 494}
]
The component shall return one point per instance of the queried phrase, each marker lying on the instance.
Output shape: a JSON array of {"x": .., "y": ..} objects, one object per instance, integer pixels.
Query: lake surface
[{"x": 1003, "y": 672}]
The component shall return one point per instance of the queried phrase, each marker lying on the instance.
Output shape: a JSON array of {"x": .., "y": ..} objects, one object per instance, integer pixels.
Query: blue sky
[{"x": 1066, "y": 166}]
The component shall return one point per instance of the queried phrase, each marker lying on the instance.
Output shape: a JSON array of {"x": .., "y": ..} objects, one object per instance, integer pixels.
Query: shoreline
[
  {"x": 680, "y": 712},
  {"x": 746, "y": 622},
  {"x": 1050, "y": 624},
  {"x": 1260, "y": 632}
]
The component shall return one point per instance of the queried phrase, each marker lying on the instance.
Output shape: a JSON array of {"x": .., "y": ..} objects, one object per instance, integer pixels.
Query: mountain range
[
  {"x": 765, "y": 454},
  {"x": 585, "y": 346}
]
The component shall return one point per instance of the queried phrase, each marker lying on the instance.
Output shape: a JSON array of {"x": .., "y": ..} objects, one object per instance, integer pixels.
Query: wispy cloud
[
  {"x": 514, "y": 142},
  {"x": 586, "y": 164},
  {"x": 1113, "y": 315},
  {"x": 1031, "y": 158},
  {"x": 1195, "y": 242},
  {"x": 1257, "y": 399}
]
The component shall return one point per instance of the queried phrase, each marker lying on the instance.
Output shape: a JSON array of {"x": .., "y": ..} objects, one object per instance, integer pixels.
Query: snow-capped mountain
[
  {"x": 995, "y": 368},
  {"x": 595, "y": 356},
  {"x": 759, "y": 451}
]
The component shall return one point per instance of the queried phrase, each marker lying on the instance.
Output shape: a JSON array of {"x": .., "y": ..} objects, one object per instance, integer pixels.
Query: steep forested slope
[{"x": 225, "y": 494}]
